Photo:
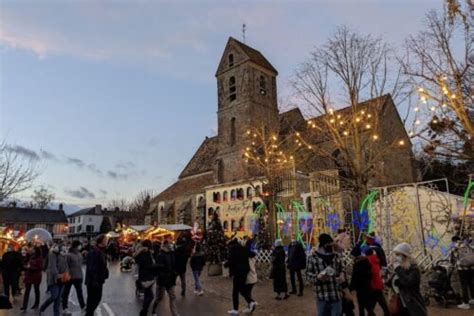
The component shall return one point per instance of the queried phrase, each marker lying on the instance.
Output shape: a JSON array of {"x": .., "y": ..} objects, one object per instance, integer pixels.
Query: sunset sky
[{"x": 110, "y": 98}]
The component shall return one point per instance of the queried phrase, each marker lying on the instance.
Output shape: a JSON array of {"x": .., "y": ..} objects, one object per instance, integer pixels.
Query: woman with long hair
[{"x": 406, "y": 282}]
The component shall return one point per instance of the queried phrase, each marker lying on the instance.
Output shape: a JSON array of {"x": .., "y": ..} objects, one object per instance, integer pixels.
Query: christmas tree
[{"x": 216, "y": 241}]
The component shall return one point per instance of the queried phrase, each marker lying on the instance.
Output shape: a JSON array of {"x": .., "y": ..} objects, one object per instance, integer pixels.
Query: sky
[{"x": 113, "y": 97}]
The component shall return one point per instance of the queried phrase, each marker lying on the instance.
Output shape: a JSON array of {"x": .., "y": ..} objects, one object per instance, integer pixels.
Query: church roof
[
  {"x": 255, "y": 55},
  {"x": 186, "y": 186},
  {"x": 203, "y": 159}
]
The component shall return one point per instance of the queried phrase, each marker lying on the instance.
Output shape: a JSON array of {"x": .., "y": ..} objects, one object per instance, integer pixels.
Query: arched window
[
  {"x": 231, "y": 60},
  {"x": 217, "y": 197},
  {"x": 233, "y": 195},
  {"x": 249, "y": 192},
  {"x": 240, "y": 194},
  {"x": 225, "y": 196},
  {"x": 257, "y": 190},
  {"x": 232, "y": 89},
  {"x": 242, "y": 224},
  {"x": 210, "y": 212},
  {"x": 226, "y": 225},
  {"x": 232, "y": 131},
  {"x": 233, "y": 225},
  {"x": 309, "y": 207},
  {"x": 263, "y": 85}
]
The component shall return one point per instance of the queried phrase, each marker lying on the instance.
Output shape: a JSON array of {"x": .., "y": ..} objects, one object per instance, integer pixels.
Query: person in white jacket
[{"x": 251, "y": 277}]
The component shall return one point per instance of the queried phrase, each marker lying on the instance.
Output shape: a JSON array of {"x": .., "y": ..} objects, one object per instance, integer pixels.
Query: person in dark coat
[
  {"x": 239, "y": 267},
  {"x": 146, "y": 273},
  {"x": 33, "y": 274},
  {"x": 406, "y": 282},
  {"x": 11, "y": 266},
  {"x": 198, "y": 261},
  {"x": 96, "y": 273},
  {"x": 74, "y": 261},
  {"x": 296, "y": 263},
  {"x": 182, "y": 256},
  {"x": 361, "y": 282},
  {"x": 166, "y": 276},
  {"x": 278, "y": 272}
]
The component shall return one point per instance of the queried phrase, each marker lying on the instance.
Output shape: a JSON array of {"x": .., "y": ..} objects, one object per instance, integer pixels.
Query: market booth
[
  {"x": 160, "y": 232},
  {"x": 10, "y": 237}
]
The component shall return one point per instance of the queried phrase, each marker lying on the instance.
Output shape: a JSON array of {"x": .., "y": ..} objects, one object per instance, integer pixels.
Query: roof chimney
[
  {"x": 98, "y": 209},
  {"x": 60, "y": 206}
]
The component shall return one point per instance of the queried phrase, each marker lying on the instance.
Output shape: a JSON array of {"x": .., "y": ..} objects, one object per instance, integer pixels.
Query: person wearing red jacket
[
  {"x": 376, "y": 282},
  {"x": 33, "y": 274}
]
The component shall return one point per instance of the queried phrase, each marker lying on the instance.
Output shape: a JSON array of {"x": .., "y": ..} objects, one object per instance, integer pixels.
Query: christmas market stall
[{"x": 9, "y": 237}]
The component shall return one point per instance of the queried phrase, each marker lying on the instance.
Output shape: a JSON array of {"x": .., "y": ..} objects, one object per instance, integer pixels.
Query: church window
[
  {"x": 309, "y": 207},
  {"x": 263, "y": 85},
  {"x": 231, "y": 60},
  {"x": 233, "y": 224},
  {"x": 249, "y": 192},
  {"x": 232, "y": 131},
  {"x": 226, "y": 225},
  {"x": 233, "y": 195},
  {"x": 217, "y": 197},
  {"x": 225, "y": 196},
  {"x": 210, "y": 212},
  {"x": 240, "y": 194},
  {"x": 241, "y": 224},
  {"x": 232, "y": 89}
]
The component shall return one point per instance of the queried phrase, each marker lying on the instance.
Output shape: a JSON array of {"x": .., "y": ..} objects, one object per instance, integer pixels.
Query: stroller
[
  {"x": 126, "y": 265},
  {"x": 440, "y": 287}
]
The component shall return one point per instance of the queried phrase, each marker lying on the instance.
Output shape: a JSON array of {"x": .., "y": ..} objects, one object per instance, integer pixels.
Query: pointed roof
[
  {"x": 253, "y": 55},
  {"x": 203, "y": 159}
]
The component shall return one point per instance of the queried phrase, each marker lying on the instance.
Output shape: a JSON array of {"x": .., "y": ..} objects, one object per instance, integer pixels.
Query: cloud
[
  {"x": 20, "y": 150},
  {"x": 75, "y": 162},
  {"x": 116, "y": 175},
  {"x": 92, "y": 167},
  {"x": 47, "y": 155},
  {"x": 103, "y": 192},
  {"x": 81, "y": 193},
  {"x": 125, "y": 165}
]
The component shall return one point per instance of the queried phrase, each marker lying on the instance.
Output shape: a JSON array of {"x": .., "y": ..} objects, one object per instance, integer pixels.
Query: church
[{"x": 217, "y": 177}]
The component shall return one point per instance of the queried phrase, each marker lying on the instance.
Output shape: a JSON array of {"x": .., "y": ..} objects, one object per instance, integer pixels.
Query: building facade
[{"x": 217, "y": 177}]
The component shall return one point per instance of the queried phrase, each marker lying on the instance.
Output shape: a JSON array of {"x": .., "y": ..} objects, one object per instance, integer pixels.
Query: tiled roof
[
  {"x": 85, "y": 211},
  {"x": 291, "y": 120},
  {"x": 27, "y": 215},
  {"x": 203, "y": 159},
  {"x": 185, "y": 186},
  {"x": 255, "y": 55}
]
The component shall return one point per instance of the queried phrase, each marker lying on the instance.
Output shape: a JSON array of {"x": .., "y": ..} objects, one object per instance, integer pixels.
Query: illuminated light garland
[{"x": 368, "y": 204}]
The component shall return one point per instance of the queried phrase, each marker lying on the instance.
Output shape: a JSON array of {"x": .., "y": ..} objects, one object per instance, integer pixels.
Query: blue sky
[{"x": 114, "y": 97}]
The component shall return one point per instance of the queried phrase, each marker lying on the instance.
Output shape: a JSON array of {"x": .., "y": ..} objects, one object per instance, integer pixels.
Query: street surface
[{"x": 119, "y": 299}]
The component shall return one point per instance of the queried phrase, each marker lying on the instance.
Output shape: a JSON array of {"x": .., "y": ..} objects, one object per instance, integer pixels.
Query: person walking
[
  {"x": 74, "y": 261},
  {"x": 296, "y": 263},
  {"x": 182, "y": 256},
  {"x": 463, "y": 259},
  {"x": 361, "y": 282},
  {"x": 252, "y": 277},
  {"x": 238, "y": 264},
  {"x": 166, "y": 277},
  {"x": 11, "y": 266},
  {"x": 33, "y": 275},
  {"x": 198, "y": 261},
  {"x": 56, "y": 272},
  {"x": 96, "y": 273},
  {"x": 278, "y": 272},
  {"x": 325, "y": 269},
  {"x": 146, "y": 274},
  {"x": 376, "y": 282},
  {"x": 406, "y": 282}
]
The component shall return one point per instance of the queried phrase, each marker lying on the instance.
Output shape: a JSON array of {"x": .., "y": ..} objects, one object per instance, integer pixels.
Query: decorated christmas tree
[{"x": 216, "y": 241}]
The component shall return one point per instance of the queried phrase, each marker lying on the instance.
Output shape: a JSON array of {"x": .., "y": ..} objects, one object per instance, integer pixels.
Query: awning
[
  {"x": 139, "y": 228},
  {"x": 113, "y": 234},
  {"x": 175, "y": 227}
]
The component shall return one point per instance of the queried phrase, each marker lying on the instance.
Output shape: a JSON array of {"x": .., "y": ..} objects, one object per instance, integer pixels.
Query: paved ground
[{"x": 119, "y": 299}]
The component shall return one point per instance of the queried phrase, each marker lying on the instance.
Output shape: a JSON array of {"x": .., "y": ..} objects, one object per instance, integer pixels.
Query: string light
[
  {"x": 368, "y": 126},
  {"x": 375, "y": 137},
  {"x": 401, "y": 143},
  {"x": 346, "y": 133}
]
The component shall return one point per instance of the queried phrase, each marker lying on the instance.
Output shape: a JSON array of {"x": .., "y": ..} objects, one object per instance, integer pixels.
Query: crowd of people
[
  {"x": 62, "y": 265},
  {"x": 338, "y": 289}
]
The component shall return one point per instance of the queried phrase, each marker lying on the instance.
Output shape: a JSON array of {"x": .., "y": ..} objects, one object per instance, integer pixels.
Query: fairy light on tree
[{"x": 439, "y": 67}]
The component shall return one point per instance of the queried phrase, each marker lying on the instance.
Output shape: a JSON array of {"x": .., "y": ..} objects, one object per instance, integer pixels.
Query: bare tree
[
  {"x": 17, "y": 172},
  {"x": 41, "y": 198},
  {"x": 438, "y": 65},
  {"x": 349, "y": 68},
  {"x": 142, "y": 201},
  {"x": 118, "y": 204}
]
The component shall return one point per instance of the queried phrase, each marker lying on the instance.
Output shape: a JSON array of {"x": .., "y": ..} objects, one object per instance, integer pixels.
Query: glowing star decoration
[
  {"x": 334, "y": 222},
  {"x": 361, "y": 219},
  {"x": 306, "y": 223}
]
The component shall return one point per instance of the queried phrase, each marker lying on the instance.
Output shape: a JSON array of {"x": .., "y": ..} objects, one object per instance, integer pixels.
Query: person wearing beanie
[
  {"x": 278, "y": 272},
  {"x": 361, "y": 282},
  {"x": 406, "y": 281},
  {"x": 325, "y": 270}
]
